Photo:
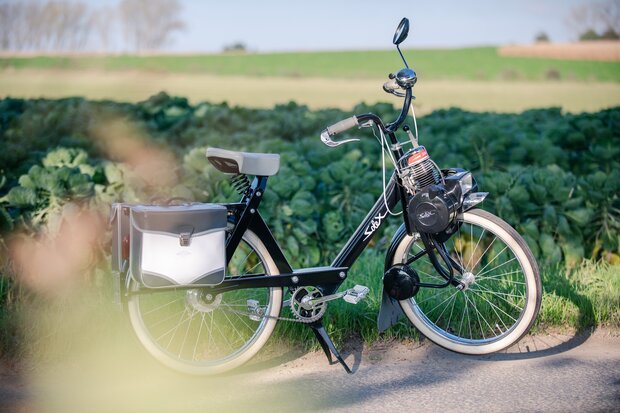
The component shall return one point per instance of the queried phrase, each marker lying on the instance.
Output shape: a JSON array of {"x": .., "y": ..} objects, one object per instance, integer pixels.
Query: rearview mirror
[{"x": 401, "y": 31}]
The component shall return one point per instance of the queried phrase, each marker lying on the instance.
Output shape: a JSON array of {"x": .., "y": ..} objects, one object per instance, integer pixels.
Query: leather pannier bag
[{"x": 168, "y": 246}]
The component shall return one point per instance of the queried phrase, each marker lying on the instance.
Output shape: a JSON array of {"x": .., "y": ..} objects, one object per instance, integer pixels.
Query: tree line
[
  {"x": 74, "y": 26},
  {"x": 599, "y": 20}
]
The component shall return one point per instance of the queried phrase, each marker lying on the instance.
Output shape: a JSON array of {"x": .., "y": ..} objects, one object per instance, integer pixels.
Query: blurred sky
[{"x": 281, "y": 25}]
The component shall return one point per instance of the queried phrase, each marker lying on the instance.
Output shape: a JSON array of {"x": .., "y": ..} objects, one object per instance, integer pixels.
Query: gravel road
[{"x": 544, "y": 373}]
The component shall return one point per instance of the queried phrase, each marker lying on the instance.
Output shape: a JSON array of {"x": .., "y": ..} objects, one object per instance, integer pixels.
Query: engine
[
  {"x": 436, "y": 197},
  {"x": 417, "y": 170},
  {"x": 434, "y": 208}
]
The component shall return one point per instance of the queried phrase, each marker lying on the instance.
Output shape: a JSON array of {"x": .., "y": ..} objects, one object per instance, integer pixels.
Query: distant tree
[
  {"x": 54, "y": 25},
  {"x": 150, "y": 24},
  {"x": 610, "y": 34},
  {"x": 104, "y": 26},
  {"x": 542, "y": 37},
  {"x": 593, "y": 18},
  {"x": 608, "y": 14},
  {"x": 238, "y": 47},
  {"x": 589, "y": 34}
]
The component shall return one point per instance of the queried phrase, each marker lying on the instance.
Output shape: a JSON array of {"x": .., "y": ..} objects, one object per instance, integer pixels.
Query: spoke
[
  {"x": 478, "y": 316},
  {"x": 475, "y": 248},
  {"x": 496, "y": 293},
  {"x": 471, "y": 336},
  {"x": 496, "y": 313},
  {"x": 459, "y": 255},
  {"x": 252, "y": 269},
  {"x": 162, "y": 306},
  {"x": 484, "y": 290},
  {"x": 176, "y": 327},
  {"x": 186, "y": 333},
  {"x": 233, "y": 326},
  {"x": 430, "y": 275},
  {"x": 166, "y": 319},
  {"x": 446, "y": 307},
  {"x": 462, "y": 316},
  {"x": 496, "y": 267},
  {"x": 244, "y": 261},
  {"x": 223, "y": 336},
  {"x": 500, "y": 280},
  {"x": 493, "y": 305},
  {"x": 428, "y": 298},
  {"x": 482, "y": 255},
  {"x": 451, "y": 312},
  {"x": 202, "y": 321},
  {"x": 240, "y": 318},
  {"x": 433, "y": 309},
  {"x": 478, "y": 278},
  {"x": 494, "y": 258}
]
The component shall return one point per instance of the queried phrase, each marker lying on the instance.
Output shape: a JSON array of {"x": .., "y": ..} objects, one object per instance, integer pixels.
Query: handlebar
[{"x": 346, "y": 124}]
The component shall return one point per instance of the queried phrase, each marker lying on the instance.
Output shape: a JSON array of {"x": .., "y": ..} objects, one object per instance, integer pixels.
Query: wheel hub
[
  {"x": 467, "y": 279},
  {"x": 203, "y": 302}
]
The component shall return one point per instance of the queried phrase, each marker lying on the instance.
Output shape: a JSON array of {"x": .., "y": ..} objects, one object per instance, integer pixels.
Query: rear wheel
[
  {"x": 503, "y": 293},
  {"x": 198, "y": 333}
]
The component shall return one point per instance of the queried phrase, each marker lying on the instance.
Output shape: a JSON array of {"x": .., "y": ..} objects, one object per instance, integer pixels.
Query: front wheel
[{"x": 503, "y": 293}]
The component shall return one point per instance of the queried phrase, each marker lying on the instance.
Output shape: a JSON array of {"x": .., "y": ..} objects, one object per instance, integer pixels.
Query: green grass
[
  {"x": 573, "y": 300},
  {"x": 479, "y": 63},
  {"x": 40, "y": 329}
]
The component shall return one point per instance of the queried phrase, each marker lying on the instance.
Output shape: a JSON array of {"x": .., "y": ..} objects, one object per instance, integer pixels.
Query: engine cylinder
[{"x": 417, "y": 171}]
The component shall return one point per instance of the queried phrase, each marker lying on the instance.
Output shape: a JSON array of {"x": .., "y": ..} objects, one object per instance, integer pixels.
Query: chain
[
  {"x": 249, "y": 315},
  {"x": 316, "y": 313}
]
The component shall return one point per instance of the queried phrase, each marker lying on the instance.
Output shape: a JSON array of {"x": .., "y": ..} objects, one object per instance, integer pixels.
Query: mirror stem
[{"x": 402, "y": 57}]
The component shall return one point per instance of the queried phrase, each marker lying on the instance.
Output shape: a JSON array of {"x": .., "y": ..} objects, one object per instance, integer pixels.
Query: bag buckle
[{"x": 185, "y": 236}]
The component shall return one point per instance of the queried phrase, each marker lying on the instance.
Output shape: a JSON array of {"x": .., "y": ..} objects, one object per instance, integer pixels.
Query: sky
[{"x": 280, "y": 25}]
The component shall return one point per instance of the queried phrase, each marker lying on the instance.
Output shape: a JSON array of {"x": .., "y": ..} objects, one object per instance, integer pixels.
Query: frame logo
[{"x": 374, "y": 224}]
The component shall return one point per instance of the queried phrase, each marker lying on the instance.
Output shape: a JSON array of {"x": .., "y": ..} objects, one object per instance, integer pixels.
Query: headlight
[{"x": 466, "y": 182}]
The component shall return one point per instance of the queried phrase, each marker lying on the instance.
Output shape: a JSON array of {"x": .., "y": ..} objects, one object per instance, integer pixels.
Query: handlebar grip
[{"x": 343, "y": 125}]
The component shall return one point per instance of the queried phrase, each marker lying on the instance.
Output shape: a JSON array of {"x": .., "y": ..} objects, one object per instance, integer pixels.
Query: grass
[
  {"x": 82, "y": 342},
  {"x": 573, "y": 300},
  {"x": 479, "y": 63},
  {"x": 62, "y": 333}
]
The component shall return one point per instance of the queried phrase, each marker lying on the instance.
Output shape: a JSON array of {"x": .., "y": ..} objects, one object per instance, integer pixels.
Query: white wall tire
[{"x": 447, "y": 332}]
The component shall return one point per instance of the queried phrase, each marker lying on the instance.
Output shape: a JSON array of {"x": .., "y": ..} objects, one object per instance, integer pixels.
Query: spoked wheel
[
  {"x": 199, "y": 333},
  {"x": 503, "y": 292}
]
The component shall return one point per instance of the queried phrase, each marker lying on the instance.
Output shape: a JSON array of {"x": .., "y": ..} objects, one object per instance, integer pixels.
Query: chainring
[{"x": 301, "y": 310}]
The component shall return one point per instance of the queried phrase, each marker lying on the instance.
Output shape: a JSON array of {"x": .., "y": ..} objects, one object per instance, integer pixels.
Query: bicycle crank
[{"x": 307, "y": 303}]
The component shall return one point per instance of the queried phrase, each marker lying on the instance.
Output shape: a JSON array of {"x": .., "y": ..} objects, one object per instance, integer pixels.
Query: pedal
[
  {"x": 356, "y": 294},
  {"x": 255, "y": 312}
]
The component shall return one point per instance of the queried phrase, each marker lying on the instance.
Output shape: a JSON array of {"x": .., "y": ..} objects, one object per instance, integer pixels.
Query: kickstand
[{"x": 328, "y": 345}]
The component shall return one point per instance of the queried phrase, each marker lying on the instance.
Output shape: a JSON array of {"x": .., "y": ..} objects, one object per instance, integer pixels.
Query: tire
[
  {"x": 187, "y": 332},
  {"x": 497, "y": 308}
]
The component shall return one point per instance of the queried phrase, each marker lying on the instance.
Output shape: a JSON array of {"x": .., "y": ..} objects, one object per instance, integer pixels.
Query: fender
[{"x": 390, "y": 311}]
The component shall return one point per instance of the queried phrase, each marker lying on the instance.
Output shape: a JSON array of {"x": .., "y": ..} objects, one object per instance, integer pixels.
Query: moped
[{"x": 463, "y": 277}]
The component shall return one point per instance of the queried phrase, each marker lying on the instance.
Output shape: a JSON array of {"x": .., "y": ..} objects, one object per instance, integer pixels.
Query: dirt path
[{"x": 550, "y": 373}]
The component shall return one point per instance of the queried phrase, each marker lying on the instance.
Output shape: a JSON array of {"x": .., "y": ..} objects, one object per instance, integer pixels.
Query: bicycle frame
[{"x": 245, "y": 216}]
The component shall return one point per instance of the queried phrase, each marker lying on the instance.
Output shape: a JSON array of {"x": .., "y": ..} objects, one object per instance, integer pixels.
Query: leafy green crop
[{"x": 554, "y": 176}]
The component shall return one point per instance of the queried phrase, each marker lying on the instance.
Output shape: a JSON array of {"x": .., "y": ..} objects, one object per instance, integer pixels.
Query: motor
[{"x": 401, "y": 282}]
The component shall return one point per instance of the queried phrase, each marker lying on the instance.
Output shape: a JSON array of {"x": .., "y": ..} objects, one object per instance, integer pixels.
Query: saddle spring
[{"x": 240, "y": 183}]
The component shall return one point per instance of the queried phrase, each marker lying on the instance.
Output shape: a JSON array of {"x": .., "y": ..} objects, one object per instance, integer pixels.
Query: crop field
[
  {"x": 477, "y": 79},
  {"x": 601, "y": 50},
  {"x": 499, "y": 96},
  {"x": 482, "y": 63}
]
